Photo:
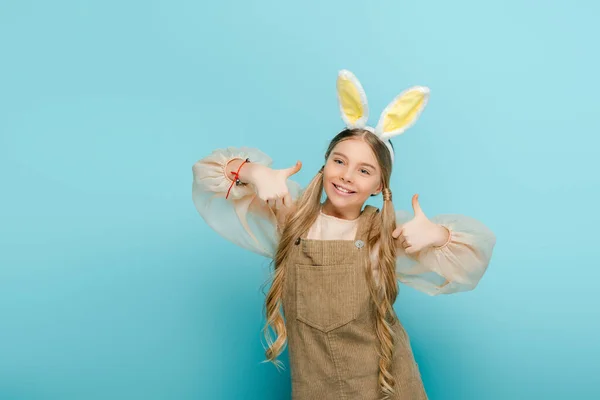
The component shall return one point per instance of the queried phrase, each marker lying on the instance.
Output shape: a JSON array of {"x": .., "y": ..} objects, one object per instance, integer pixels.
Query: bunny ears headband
[{"x": 397, "y": 117}]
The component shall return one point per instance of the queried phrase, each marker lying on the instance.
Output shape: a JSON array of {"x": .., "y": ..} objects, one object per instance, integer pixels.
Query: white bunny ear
[
  {"x": 402, "y": 112},
  {"x": 352, "y": 99}
]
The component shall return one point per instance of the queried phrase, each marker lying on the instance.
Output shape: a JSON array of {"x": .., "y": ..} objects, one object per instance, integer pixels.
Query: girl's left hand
[{"x": 419, "y": 233}]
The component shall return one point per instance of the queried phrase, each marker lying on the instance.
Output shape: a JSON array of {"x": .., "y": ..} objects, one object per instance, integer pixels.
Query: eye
[
  {"x": 365, "y": 171},
  {"x": 338, "y": 161}
]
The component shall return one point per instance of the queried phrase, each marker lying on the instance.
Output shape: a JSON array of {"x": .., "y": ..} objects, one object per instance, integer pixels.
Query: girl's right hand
[{"x": 271, "y": 184}]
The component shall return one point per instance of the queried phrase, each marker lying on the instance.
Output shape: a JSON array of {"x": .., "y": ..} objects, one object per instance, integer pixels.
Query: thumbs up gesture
[
  {"x": 419, "y": 233},
  {"x": 271, "y": 184}
]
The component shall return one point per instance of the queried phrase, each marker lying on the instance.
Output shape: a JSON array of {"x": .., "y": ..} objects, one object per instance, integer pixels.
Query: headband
[{"x": 397, "y": 117}]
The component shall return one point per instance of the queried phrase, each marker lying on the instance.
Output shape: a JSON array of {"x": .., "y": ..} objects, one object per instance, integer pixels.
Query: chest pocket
[{"x": 326, "y": 295}]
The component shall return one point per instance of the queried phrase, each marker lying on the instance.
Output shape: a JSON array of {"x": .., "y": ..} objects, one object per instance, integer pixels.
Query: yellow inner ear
[
  {"x": 350, "y": 100},
  {"x": 403, "y": 111}
]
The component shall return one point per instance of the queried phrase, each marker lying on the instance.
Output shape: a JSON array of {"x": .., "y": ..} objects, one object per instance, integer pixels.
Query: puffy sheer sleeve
[
  {"x": 243, "y": 218},
  {"x": 456, "y": 266}
]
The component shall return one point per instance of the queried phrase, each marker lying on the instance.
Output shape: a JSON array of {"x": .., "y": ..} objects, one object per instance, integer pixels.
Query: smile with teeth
[{"x": 342, "y": 189}]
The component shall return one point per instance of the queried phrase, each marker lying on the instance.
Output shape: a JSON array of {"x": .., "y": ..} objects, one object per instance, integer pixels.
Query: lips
[{"x": 343, "y": 190}]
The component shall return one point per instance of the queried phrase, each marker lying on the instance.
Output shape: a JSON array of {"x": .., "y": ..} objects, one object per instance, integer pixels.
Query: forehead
[{"x": 356, "y": 150}]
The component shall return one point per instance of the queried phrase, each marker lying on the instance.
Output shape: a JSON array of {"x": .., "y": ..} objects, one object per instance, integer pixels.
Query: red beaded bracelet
[{"x": 236, "y": 181}]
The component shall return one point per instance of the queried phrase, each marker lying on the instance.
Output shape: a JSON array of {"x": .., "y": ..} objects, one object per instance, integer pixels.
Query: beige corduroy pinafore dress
[{"x": 330, "y": 320}]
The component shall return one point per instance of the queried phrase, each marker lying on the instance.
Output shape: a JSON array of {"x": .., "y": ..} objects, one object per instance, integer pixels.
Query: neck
[{"x": 342, "y": 213}]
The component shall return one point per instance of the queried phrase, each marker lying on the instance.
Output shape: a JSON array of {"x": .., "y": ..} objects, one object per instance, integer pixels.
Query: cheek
[
  {"x": 371, "y": 185},
  {"x": 326, "y": 178},
  {"x": 329, "y": 172}
]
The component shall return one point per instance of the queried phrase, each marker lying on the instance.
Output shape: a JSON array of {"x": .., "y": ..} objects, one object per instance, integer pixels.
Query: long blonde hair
[{"x": 383, "y": 292}]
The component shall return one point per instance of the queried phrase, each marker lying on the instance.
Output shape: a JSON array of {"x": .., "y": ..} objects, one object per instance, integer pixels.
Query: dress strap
[{"x": 364, "y": 223}]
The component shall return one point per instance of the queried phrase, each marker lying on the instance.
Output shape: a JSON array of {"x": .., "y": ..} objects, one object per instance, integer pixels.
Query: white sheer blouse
[{"x": 248, "y": 222}]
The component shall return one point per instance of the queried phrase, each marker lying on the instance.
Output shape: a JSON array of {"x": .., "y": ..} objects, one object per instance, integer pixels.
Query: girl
[{"x": 337, "y": 262}]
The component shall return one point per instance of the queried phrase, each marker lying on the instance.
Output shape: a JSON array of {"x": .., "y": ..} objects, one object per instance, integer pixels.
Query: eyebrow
[{"x": 336, "y": 153}]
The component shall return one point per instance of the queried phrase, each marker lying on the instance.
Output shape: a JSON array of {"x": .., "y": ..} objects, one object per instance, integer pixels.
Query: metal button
[
  {"x": 297, "y": 242},
  {"x": 359, "y": 244}
]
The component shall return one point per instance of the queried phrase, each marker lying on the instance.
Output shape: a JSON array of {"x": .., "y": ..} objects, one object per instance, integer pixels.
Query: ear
[
  {"x": 352, "y": 100},
  {"x": 379, "y": 189},
  {"x": 402, "y": 112}
]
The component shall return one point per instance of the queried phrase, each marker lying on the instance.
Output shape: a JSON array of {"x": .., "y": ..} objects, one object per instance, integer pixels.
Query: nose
[{"x": 347, "y": 175}]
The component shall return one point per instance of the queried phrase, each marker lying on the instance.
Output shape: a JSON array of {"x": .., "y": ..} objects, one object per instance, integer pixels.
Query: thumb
[
  {"x": 416, "y": 206},
  {"x": 293, "y": 170}
]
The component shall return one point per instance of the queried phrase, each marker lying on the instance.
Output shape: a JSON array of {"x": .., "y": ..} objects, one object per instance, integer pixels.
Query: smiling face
[{"x": 352, "y": 174}]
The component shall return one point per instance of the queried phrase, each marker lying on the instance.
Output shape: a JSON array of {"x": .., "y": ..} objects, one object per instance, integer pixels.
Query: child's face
[{"x": 351, "y": 175}]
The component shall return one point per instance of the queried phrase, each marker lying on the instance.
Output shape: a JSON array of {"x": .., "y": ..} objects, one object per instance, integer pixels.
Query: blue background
[{"x": 112, "y": 286}]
